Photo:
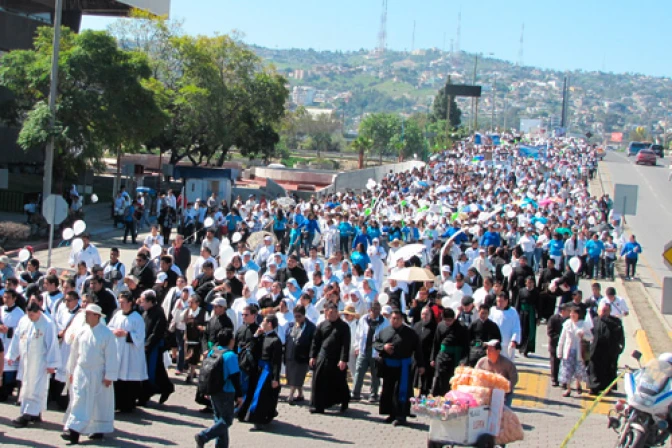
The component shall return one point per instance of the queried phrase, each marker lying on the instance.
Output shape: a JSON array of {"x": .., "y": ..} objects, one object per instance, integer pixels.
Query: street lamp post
[
  {"x": 492, "y": 119},
  {"x": 53, "y": 91}
]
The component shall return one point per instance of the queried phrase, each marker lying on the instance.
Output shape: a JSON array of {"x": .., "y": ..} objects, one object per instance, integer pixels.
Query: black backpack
[
  {"x": 211, "y": 376},
  {"x": 246, "y": 360}
]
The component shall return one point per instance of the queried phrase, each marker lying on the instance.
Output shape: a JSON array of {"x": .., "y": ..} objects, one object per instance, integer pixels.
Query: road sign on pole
[
  {"x": 54, "y": 210},
  {"x": 667, "y": 255},
  {"x": 625, "y": 199}
]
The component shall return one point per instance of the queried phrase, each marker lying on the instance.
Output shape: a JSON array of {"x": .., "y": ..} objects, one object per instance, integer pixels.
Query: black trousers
[
  {"x": 126, "y": 394},
  {"x": 630, "y": 267},
  {"x": 129, "y": 227},
  {"x": 555, "y": 367}
]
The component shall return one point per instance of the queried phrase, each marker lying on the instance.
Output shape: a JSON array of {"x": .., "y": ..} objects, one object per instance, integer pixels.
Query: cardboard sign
[{"x": 496, "y": 411}]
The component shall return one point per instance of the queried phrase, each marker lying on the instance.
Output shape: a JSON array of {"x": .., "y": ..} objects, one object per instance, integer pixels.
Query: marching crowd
[{"x": 329, "y": 285}]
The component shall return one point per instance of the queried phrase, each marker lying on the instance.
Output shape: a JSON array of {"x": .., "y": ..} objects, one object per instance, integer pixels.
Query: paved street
[{"x": 546, "y": 416}]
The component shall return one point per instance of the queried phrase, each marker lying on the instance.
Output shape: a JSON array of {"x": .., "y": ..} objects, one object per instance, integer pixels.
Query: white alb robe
[
  {"x": 130, "y": 348},
  {"x": 64, "y": 319},
  {"x": 10, "y": 319},
  {"x": 35, "y": 346},
  {"x": 93, "y": 358},
  {"x": 508, "y": 322}
]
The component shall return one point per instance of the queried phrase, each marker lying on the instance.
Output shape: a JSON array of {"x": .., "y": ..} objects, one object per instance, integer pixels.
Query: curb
[{"x": 644, "y": 346}]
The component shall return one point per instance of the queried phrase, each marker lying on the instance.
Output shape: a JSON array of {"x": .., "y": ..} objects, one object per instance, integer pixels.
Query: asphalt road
[{"x": 651, "y": 224}]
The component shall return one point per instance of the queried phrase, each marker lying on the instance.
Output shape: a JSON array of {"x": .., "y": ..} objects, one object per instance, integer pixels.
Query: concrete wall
[
  {"x": 356, "y": 180},
  {"x": 274, "y": 190},
  {"x": 290, "y": 175}
]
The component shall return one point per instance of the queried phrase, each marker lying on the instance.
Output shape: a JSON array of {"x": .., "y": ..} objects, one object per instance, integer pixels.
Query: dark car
[
  {"x": 635, "y": 147},
  {"x": 658, "y": 149}
]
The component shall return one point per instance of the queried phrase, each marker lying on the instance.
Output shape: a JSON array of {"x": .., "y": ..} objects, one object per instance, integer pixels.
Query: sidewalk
[{"x": 652, "y": 329}]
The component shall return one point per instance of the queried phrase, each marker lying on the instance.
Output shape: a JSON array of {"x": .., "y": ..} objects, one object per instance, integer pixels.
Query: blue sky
[{"x": 612, "y": 35}]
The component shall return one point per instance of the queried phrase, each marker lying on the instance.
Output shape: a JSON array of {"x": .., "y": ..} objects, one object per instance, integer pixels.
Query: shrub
[{"x": 14, "y": 231}]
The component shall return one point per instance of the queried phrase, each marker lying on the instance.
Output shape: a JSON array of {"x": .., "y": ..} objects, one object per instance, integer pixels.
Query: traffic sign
[
  {"x": 667, "y": 255},
  {"x": 589, "y": 134},
  {"x": 625, "y": 199},
  {"x": 55, "y": 209}
]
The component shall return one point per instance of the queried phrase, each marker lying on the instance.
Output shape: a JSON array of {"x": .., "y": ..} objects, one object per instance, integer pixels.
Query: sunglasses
[{"x": 245, "y": 315}]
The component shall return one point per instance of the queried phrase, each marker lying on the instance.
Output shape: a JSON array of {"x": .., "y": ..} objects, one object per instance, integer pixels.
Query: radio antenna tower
[
  {"x": 413, "y": 39},
  {"x": 382, "y": 34},
  {"x": 520, "y": 50},
  {"x": 459, "y": 31}
]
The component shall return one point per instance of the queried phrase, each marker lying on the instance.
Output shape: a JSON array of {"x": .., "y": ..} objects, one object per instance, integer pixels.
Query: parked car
[
  {"x": 658, "y": 149},
  {"x": 635, "y": 147},
  {"x": 646, "y": 156},
  {"x": 601, "y": 153}
]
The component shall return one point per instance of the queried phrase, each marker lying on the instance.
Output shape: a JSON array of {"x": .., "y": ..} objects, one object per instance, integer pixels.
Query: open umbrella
[
  {"x": 407, "y": 252},
  {"x": 257, "y": 239},
  {"x": 413, "y": 275},
  {"x": 604, "y": 227},
  {"x": 286, "y": 202}
]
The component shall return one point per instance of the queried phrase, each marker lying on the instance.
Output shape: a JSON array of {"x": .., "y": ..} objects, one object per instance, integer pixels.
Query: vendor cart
[{"x": 474, "y": 428}]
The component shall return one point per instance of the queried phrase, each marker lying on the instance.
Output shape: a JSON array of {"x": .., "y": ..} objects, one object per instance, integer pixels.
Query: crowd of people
[{"x": 281, "y": 288}]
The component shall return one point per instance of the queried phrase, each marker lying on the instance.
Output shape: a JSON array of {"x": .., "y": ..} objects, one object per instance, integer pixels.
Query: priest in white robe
[
  {"x": 128, "y": 327},
  {"x": 35, "y": 348},
  {"x": 508, "y": 321},
  {"x": 94, "y": 366},
  {"x": 63, "y": 318}
]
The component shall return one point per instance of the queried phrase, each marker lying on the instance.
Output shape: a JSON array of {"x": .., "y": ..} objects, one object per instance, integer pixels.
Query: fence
[
  {"x": 356, "y": 180},
  {"x": 11, "y": 201}
]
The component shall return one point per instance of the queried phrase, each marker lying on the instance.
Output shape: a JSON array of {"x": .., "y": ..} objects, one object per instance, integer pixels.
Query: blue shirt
[
  {"x": 279, "y": 224},
  {"x": 491, "y": 239},
  {"x": 345, "y": 229},
  {"x": 230, "y": 361},
  {"x": 555, "y": 247},
  {"x": 311, "y": 226},
  {"x": 373, "y": 232},
  {"x": 594, "y": 248},
  {"x": 629, "y": 250},
  {"x": 365, "y": 239},
  {"x": 459, "y": 239}
]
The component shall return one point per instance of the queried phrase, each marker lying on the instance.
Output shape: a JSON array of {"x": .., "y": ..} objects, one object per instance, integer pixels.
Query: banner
[
  {"x": 531, "y": 151},
  {"x": 617, "y": 137}
]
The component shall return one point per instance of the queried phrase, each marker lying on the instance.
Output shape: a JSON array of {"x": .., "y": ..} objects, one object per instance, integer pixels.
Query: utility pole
[
  {"x": 53, "y": 92},
  {"x": 474, "y": 100},
  {"x": 492, "y": 119}
]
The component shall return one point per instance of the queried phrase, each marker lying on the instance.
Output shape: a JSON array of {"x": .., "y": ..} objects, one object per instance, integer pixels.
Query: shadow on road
[{"x": 288, "y": 429}]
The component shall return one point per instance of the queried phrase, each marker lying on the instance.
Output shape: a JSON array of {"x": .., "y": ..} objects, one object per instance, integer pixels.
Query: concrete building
[{"x": 303, "y": 95}]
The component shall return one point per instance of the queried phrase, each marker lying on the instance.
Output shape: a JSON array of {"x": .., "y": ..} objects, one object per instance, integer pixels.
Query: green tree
[
  {"x": 440, "y": 111},
  {"x": 216, "y": 90},
  {"x": 362, "y": 145},
  {"x": 381, "y": 128},
  {"x": 106, "y": 99},
  {"x": 639, "y": 134}
]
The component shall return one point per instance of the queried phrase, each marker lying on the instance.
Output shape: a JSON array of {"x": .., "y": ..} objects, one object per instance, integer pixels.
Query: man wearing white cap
[
  {"x": 94, "y": 366},
  {"x": 264, "y": 252}
]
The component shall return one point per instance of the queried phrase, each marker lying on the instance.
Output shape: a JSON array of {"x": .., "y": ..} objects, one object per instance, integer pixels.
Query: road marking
[
  {"x": 532, "y": 389},
  {"x": 644, "y": 346}
]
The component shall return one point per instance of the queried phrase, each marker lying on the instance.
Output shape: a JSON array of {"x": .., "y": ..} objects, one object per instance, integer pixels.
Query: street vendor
[{"x": 494, "y": 362}]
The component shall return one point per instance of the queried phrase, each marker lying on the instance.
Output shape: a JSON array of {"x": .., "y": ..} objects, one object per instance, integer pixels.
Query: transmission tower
[
  {"x": 382, "y": 34},
  {"x": 459, "y": 31},
  {"x": 520, "y": 50},
  {"x": 413, "y": 39}
]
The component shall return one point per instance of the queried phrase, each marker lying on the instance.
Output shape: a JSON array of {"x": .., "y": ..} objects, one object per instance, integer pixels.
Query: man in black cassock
[
  {"x": 481, "y": 331},
  {"x": 608, "y": 343},
  {"x": 155, "y": 331},
  {"x": 263, "y": 407},
  {"x": 547, "y": 299},
  {"x": 248, "y": 357},
  {"x": 450, "y": 349},
  {"x": 425, "y": 329},
  {"x": 329, "y": 357},
  {"x": 526, "y": 305},
  {"x": 397, "y": 346}
]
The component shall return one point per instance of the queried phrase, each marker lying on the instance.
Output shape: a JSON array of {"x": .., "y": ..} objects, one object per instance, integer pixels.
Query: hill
[{"x": 355, "y": 83}]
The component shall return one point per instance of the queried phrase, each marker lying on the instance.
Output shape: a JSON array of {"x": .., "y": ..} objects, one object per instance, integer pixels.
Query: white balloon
[
  {"x": 457, "y": 297},
  {"x": 539, "y": 225},
  {"x": 24, "y": 255},
  {"x": 226, "y": 255},
  {"x": 155, "y": 250},
  {"x": 591, "y": 220},
  {"x": 449, "y": 287},
  {"x": 507, "y": 270},
  {"x": 251, "y": 279},
  {"x": 383, "y": 299},
  {"x": 94, "y": 198},
  {"x": 236, "y": 237},
  {"x": 220, "y": 273},
  {"x": 446, "y": 302},
  {"x": 77, "y": 244},
  {"x": 68, "y": 234},
  {"x": 511, "y": 214},
  {"x": 208, "y": 222},
  {"x": 79, "y": 227},
  {"x": 575, "y": 264}
]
